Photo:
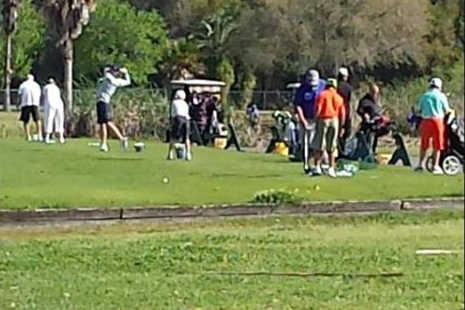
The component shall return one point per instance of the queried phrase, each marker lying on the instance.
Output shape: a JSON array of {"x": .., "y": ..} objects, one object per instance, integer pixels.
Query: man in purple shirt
[{"x": 304, "y": 102}]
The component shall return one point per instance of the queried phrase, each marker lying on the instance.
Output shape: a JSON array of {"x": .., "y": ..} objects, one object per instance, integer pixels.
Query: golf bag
[
  {"x": 357, "y": 148},
  {"x": 253, "y": 115},
  {"x": 180, "y": 150},
  {"x": 375, "y": 128},
  {"x": 452, "y": 158},
  {"x": 362, "y": 146},
  {"x": 284, "y": 130}
]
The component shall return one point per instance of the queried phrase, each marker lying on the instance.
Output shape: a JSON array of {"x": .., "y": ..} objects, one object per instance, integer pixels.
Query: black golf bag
[
  {"x": 452, "y": 158},
  {"x": 285, "y": 130},
  {"x": 362, "y": 146}
]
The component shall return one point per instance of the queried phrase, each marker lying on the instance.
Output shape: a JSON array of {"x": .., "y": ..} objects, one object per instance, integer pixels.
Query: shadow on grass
[
  {"x": 235, "y": 175},
  {"x": 271, "y": 159},
  {"x": 262, "y": 176},
  {"x": 120, "y": 158},
  {"x": 28, "y": 150}
]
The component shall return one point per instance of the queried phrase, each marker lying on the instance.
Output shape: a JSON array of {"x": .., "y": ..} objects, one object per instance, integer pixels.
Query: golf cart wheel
[
  {"x": 451, "y": 165},
  {"x": 430, "y": 163}
]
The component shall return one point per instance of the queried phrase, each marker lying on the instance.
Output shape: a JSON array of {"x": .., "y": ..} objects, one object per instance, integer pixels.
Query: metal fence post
[{"x": 264, "y": 100}]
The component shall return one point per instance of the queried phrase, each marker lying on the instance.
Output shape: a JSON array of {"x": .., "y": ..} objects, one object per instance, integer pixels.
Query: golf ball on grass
[{"x": 165, "y": 180}]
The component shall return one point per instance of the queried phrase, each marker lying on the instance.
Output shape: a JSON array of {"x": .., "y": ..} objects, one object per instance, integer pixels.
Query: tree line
[{"x": 249, "y": 44}]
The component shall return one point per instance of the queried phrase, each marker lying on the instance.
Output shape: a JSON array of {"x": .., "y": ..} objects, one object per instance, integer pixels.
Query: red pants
[{"x": 432, "y": 128}]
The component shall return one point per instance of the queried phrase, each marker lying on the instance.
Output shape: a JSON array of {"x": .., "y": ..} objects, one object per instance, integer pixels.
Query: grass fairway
[
  {"x": 10, "y": 126},
  {"x": 176, "y": 266},
  {"x": 34, "y": 175}
]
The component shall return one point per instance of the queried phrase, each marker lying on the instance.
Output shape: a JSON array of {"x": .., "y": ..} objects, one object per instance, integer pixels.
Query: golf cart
[{"x": 218, "y": 132}]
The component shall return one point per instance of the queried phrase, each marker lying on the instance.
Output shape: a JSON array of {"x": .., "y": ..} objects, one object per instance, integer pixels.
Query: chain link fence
[{"x": 265, "y": 100}]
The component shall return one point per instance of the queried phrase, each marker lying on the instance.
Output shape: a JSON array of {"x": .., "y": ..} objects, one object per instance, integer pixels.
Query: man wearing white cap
[
  {"x": 180, "y": 129},
  {"x": 344, "y": 89},
  {"x": 54, "y": 111},
  {"x": 433, "y": 106},
  {"x": 29, "y": 96}
]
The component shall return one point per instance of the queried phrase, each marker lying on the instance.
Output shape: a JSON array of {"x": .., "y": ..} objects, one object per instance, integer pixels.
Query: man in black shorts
[
  {"x": 180, "y": 126},
  {"x": 29, "y": 95},
  {"x": 107, "y": 87}
]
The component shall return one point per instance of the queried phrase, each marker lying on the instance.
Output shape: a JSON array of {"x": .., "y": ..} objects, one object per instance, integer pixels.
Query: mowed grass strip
[
  {"x": 35, "y": 175},
  {"x": 176, "y": 266}
]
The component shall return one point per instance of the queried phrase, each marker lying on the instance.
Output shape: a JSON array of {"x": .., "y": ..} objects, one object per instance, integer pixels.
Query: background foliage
[
  {"x": 274, "y": 40},
  {"x": 27, "y": 41},
  {"x": 121, "y": 34},
  {"x": 258, "y": 45}
]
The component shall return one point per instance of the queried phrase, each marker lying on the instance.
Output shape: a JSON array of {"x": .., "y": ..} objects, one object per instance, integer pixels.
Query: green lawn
[
  {"x": 177, "y": 266},
  {"x": 10, "y": 126},
  {"x": 36, "y": 175}
]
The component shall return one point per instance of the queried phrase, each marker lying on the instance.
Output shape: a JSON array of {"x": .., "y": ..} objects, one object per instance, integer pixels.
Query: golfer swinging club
[{"x": 106, "y": 88}]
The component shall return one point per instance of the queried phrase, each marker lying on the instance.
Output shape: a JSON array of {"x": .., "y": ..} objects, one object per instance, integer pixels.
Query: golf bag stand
[
  {"x": 357, "y": 148},
  {"x": 275, "y": 138},
  {"x": 400, "y": 153},
  {"x": 196, "y": 137},
  {"x": 233, "y": 139}
]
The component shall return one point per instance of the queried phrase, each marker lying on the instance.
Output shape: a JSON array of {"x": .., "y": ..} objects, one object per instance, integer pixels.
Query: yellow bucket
[
  {"x": 220, "y": 143},
  {"x": 281, "y": 149},
  {"x": 383, "y": 159}
]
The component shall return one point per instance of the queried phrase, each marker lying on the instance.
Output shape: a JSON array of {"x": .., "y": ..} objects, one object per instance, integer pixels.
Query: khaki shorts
[{"x": 327, "y": 131}]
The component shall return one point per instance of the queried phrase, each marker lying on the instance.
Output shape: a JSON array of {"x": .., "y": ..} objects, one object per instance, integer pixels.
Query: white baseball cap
[
  {"x": 344, "y": 71},
  {"x": 313, "y": 77},
  {"x": 436, "y": 82},
  {"x": 180, "y": 94}
]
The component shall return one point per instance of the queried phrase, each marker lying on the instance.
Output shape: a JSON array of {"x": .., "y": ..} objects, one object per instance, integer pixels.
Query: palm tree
[
  {"x": 67, "y": 19},
  {"x": 214, "y": 35},
  {"x": 10, "y": 13}
]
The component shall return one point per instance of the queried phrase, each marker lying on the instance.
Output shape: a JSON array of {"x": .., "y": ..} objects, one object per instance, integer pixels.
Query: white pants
[{"x": 54, "y": 115}]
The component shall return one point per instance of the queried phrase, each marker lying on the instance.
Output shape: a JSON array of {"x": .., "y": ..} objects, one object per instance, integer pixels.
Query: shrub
[
  {"x": 277, "y": 196},
  {"x": 225, "y": 72},
  {"x": 248, "y": 85},
  {"x": 137, "y": 112}
]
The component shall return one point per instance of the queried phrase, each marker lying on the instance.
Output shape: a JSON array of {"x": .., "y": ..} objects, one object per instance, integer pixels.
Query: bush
[
  {"x": 225, "y": 73},
  {"x": 278, "y": 196},
  {"x": 249, "y": 83}
]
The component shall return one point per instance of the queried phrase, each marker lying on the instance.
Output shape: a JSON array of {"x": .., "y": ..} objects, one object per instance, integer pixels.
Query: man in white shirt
[
  {"x": 180, "y": 126},
  {"x": 29, "y": 96},
  {"x": 53, "y": 111},
  {"x": 106, "y": 89}
]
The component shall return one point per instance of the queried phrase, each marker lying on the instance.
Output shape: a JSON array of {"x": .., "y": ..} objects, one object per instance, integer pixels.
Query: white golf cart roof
[
  {"x": 199, "y": 85},
  {"x": 293, "y": 85}
]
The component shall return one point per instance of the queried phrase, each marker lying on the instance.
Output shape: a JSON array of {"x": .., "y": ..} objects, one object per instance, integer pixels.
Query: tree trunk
[
  {"x": 8, "y": 74},
  {"x": 68, "y": 79}
]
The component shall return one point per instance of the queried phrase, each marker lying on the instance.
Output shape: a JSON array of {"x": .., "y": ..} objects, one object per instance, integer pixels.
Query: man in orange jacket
[{"x": 330, "y": 116}]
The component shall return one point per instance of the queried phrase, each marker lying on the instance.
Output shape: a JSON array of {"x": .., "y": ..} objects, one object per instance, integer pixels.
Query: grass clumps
[{"x": 273, "y": 196}]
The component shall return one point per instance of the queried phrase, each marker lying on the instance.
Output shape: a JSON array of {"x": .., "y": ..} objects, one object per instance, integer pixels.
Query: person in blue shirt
[{"x": 312, "y": 85}]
